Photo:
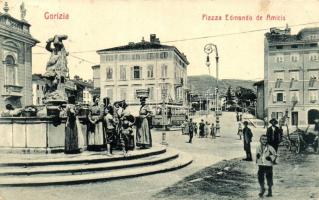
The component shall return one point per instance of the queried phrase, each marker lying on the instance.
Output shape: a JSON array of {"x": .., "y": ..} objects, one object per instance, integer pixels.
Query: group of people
[
  {"x": 108, "y": 126},
  {"x": 266, "y": 153},
  {"x": 203, "y": 129}
]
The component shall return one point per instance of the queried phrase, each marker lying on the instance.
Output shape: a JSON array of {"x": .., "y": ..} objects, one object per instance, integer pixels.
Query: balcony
[
  {"x": 12, "y": 91},
  {"x": 179, "y": 82}
]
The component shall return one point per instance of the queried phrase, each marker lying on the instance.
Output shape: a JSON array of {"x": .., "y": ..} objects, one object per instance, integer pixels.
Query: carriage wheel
[{"x": 286, "y": 143}]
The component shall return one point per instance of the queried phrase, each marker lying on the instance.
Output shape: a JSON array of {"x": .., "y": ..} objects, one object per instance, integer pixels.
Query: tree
[
  {"x": 245, "y": 96},
  {"x": 229, "y": 97}
]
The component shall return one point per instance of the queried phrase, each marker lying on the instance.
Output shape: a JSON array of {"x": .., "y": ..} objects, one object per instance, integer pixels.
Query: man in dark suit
[
  {"x": 247, "y": 135},
  {"x": 274, "y": 134}
]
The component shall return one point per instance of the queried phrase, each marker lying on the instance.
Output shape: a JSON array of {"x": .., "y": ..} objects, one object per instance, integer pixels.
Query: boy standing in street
[
  {"x": 247, "y": 135},
  {"x": 265, "y": 156}
]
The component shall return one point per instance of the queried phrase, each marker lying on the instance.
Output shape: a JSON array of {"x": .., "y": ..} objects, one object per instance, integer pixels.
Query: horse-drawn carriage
[{"x": 302, "y": 140}]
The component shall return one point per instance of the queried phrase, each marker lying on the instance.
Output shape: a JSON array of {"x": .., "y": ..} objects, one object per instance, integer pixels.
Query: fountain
[{"x": 30, "y": 130}]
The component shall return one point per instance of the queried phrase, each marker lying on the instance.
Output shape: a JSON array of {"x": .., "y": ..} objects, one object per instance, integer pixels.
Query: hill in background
[{"x": 200, "y": 84}]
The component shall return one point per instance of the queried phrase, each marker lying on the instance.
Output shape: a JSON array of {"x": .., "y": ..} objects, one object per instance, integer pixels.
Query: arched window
[{"x": 11, "y": 71}]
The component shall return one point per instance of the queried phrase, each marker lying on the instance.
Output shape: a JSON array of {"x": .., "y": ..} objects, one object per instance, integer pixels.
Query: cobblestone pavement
[{"x": 205, "y": 152}]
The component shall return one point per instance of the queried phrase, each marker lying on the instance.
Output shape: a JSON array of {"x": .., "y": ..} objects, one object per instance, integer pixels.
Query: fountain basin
[{"x": 34, "y": 134}]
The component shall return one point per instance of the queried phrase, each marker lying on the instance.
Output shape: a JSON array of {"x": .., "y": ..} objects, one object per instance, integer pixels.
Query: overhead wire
[{"x": 182, "y": 40}]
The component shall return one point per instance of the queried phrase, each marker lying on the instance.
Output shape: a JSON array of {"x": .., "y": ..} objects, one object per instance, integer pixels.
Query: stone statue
[
  {"x": 56, "y": 70},
  {"x": 23, "y": 11}
]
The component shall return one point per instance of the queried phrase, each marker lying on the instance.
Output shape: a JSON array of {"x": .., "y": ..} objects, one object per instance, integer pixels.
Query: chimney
[{"x": 152, "y": 38}]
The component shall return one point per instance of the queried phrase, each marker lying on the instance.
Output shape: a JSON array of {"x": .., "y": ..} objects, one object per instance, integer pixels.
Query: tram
[{"x": 174, "y": 115}]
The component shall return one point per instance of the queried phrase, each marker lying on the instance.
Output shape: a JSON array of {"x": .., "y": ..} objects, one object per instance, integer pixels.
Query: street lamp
[{"x": 208, "y": 49}]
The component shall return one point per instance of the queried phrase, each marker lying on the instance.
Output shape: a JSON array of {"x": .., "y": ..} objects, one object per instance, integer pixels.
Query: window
[
  {"x": 313, "y": 74},
  {"x": 124, "y": 57},
  {"x": 294, "y": 75},
  {"x": 313, "y": 96},
  {"x": 313, "y": 56},
  {"x": 294, "y": 57},
  {"x": 164, "y": 55},
  {"x": 137, "y": 72},
  {"x": 38, "y": 87},
  {"x": 109, "y": 58},
  {"x": 151, "y": 56},
  {"x": 11, "y": 71},
  {"x": 294, "y": 96},
  {"x": 109, "y": 73},
  {"x": 151, "y": 94},
  {"x": 109, "y": 93},
  {"x": 279, "y": 47},
  {"x": 294, "y": 46},
  {"x": 294, "y": 118},
  {"x": 122, "y": 72},
  {"x": 313, "y": 45},
  {"x": 123, "y": 93},
  {"x": 150, "y": 73},
  {"x": 276, "y": 115},
  {"x": 313, "y": 37},
  {"x": 279, "y": 75},
  {"x": 38, "y": 101},
  {"x": 279, "y": 97},
  {"x": 279, "y": 58},
  {"x": 164, "y": 71},
  {"x": 136, "y": 57}
]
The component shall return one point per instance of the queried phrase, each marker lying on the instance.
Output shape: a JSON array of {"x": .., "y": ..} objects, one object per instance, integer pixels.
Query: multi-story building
[
  {"x": 260, "y": 103},
  {"x": 291, "y": 73},
  {"x": 16, "y": 45},
  {"x": 38, "y": 85},
  {"x": 96, "y": 81},
  {"x": 81, "y": 89},
  {"x": 144, "y": 65}
]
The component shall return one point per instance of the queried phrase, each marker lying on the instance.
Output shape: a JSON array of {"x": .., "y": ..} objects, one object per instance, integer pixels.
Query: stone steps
[
  {"x": 83, "y": 168},
  {"x": 34, "y": 160},
  {"x": 87, "y": 167}
]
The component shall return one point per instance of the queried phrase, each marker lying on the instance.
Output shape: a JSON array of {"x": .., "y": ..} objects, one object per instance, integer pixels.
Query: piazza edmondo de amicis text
[{"x": 231, "y": 17}]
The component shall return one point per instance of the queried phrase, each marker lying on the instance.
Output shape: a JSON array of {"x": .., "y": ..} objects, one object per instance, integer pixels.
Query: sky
[{"x": 97, "y": 24}]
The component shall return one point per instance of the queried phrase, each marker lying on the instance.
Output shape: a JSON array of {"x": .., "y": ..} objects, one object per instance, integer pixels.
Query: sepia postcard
[{"x": 154, "y": 100}]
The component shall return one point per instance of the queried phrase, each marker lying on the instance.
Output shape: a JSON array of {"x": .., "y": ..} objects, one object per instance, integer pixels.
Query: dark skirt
[{"x": 71, "y": 138}]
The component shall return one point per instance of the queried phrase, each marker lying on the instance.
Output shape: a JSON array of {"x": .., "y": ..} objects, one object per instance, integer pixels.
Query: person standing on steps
[
  {"x": 265, "y": 156},
  {"x": 247, "y": 135}
]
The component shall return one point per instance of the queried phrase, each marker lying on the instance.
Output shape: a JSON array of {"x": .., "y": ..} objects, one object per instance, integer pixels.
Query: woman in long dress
[
  {"x": 143, "y": 133},
  {"x": 74, "y": 140},
  {"x": 95, "y": 126}
]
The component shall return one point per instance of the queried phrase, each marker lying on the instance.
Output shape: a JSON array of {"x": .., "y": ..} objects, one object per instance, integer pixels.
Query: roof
[
  {"x": 138, "y": 46},
  {"x": 6, "y": 15},
  {"x": 36, "y": 77},
  {"x": 144, "y": 45},
  {"x": 95, "y": 66},
  {"x": 259, "y": 83}
]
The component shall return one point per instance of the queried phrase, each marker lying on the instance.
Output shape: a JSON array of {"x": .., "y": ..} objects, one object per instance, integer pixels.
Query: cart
[{"x": 301, "y": 141}]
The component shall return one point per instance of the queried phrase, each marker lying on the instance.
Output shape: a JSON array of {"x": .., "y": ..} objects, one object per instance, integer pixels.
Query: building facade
[
  {"x": 291, "y": 75},
  {"x": 144, "y": 65},
  {"x": 16, "y": 45},
  {"x": 260, "y": 100},
  {"x": 38, "y": 85},
  {"x": 81, "y": 89}
]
